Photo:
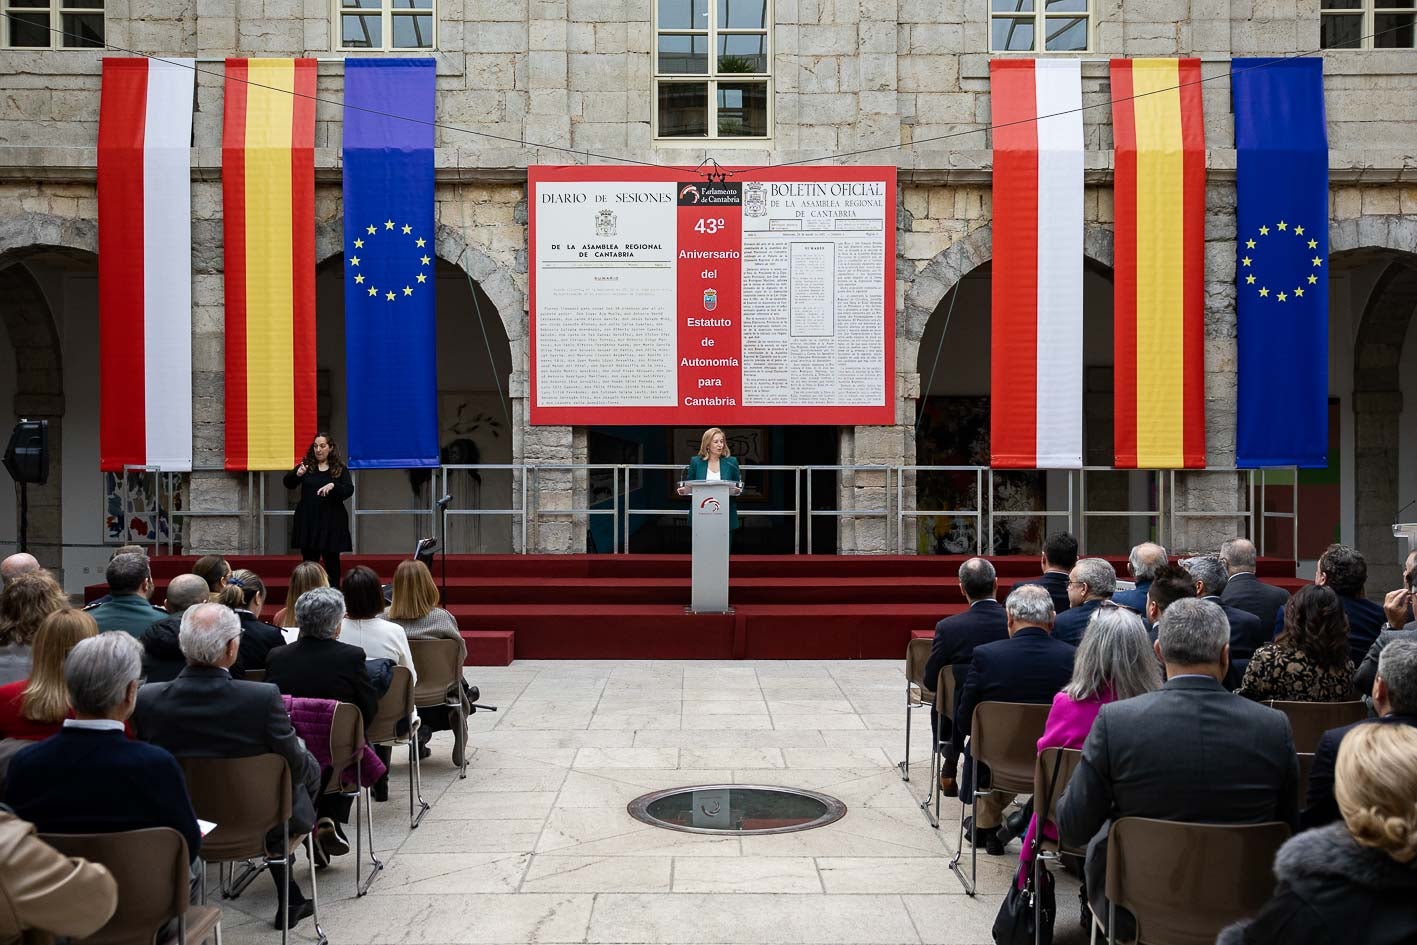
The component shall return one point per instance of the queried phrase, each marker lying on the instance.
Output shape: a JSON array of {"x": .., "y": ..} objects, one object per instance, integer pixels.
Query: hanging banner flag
[
  {"x": 145, "y": 264},
  {"x": 1281, "y": 270},
  {"x": 268, "y": 196},
  {"x": 391, "y": 363},
  {"x": 1036, "y": 349},
  {"x": 1158, "y": 129}
]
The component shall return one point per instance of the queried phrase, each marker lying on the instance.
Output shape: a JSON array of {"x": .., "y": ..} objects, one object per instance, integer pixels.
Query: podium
[
  {"x": 1406, "y": 530},
  {"x": 709, "y": 517}
]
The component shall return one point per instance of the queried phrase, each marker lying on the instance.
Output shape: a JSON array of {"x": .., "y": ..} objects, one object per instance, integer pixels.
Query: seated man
[
  {"x": 1394, "y": 698},
  {"x": 1344, "y": 570},
  {"x": 91, "y": 778},
  {"x": 1092, "y": 581},
  {"x": 1170, "y": 584},
  {"x": 17, "y": 564},
  {"x": 162, "y": 651},
  {"x": 1247, "y": 634},
  {"x": 1029, "y": 666},
  {"x": 956, "y": 637},
  {"x": 1244, "y": 590},
  {"x": 1190, "y": 752},
  {"x": 1141, "y": 564},
  {"x": 44, "y": 891},
  {"x": 1060, "y": 553},
  {"x": 1397, "y": 609},
  {"x": 204, "y": 713},
  {"x": 130, "y": 584}
]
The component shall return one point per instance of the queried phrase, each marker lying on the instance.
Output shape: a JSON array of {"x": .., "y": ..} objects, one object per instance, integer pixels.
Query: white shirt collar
[{"x": 95, "y": 725}]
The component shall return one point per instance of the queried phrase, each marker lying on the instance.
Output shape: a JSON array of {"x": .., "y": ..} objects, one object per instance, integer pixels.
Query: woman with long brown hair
[
  {"x": 321, "y": 521},
  {"x": 35, "y": 708},
  {"x": 24, "y": 603},
  {"x": 1309, "y": 660},
  {"x": 307, "y": 576},
  {"x": 415, "y": 608}
]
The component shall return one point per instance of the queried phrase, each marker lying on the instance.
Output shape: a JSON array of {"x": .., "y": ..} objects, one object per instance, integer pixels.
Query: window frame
[
  {"x": 712, "y": 77},
  {"x": 1040, "y": 17},
  {"x": 55, "y": 10},
  {"x": 1367, "y": 15},
  {"x": 387, "y": 13}
]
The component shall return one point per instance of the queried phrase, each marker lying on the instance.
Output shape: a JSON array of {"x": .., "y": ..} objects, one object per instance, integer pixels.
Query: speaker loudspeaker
[{"x": 27, "y": 456}]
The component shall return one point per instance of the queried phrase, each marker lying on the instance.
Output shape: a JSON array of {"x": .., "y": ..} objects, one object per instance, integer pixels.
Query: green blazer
[{"x": 728, "y": 470}]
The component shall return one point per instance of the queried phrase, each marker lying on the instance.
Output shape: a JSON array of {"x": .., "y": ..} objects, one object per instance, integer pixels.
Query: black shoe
[
  {"x": 1014, "y": 825},
  {"x": 330, "y": 838},
  {"x": 299, "y": 911},
  {"x": 987, "y": 837},
  {"x": 380, "y": 790},
  {"x": 322, "y": 856}
]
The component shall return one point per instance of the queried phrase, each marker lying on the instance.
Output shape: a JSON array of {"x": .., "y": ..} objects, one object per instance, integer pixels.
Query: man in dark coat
[
  {"x": 1060, "y": 553},
  {"x": 1092, "y": 581},
  {"x": 130, "y": 583},
  {"x": 1244, "y": 590},
  {"x": 956, "y": 637},
  {"x": 1345, "y": 571},
  {"x": 1141, "y": 564},
  {"x": 1246, "y": 632},
  {"x": 318, "y": 666},
  {"x": 162, "y": 649},
  {"x": 1191, "y": 752},
  {"x": 1029, "y": 666}
]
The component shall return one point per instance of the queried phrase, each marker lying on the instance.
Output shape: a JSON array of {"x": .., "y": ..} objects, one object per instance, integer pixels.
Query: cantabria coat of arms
[{"x": 605, "y": 223}]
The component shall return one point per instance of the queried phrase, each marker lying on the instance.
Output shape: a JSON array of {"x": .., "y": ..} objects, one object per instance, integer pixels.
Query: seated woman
[
  {"x": 1352, "y": 881},
  {"x": 307, "y": 576},
  {"x": 214, "y": 570},
  {"x": 1309, "y": 660},
  {"x": 415, "y": 608},
  {"x": 245, "y": 593},
  {"x": 1115, "y": 661},
  {"x": 364, "y": 625},
  {"x": 24, "y": 603},
  {"x": 35, "y": 708}
]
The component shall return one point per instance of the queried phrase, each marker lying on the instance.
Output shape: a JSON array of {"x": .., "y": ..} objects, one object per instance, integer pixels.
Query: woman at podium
[{"x": 715, "y": 461}]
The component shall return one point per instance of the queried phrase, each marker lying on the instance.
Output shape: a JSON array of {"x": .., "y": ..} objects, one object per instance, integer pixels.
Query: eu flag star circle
[
  {"x": 396, "y": 253},
  {"x": 1283, "y": 261}
]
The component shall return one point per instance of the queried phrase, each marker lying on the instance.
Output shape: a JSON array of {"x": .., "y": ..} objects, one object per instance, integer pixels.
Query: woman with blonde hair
[
  {"x": 415, "y": 608},
  {"x": 24, "y": 603},
  {"x": 715, "y": 461},
  {"x": 1352, "y": 882},
  {"x": 307, "y": 576},
  {"x": 35, "y": 708}
]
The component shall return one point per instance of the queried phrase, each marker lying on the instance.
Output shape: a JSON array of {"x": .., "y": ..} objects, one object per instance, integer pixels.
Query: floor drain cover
[{"x": 738, "y": 809}]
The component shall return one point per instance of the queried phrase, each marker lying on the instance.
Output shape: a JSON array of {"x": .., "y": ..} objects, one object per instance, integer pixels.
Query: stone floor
[{"x": 536, "y": 845}]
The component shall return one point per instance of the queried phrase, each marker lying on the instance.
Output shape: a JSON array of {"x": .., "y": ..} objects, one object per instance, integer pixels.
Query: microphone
[
  {"x": 1403, "y": 509},
  {"x": 443, "y": 502}
]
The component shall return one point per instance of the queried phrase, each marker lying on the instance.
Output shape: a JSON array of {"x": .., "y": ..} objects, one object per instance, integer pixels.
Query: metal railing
[{"x": 897, "y": 508}]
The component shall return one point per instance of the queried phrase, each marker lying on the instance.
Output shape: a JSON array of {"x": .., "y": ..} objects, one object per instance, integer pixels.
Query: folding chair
[
  {"x": 1185, "y": 882},
  {"x": 439, "y": 666},
  {"x": 1309, "y": 720},
  {"x": 247, "y": 798},
  {"x": 946, "y": 684},
  {"x": 917, "y": 696},
  {"x": 346, "y": 751},
  {"x": 151, "y": 869},
  {"x": 1051, "y": 775},
  {"x": 397, "y": 707},
  {"x": 1004, "y": 736}
]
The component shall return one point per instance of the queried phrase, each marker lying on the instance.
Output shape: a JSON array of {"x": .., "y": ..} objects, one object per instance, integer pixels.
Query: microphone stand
[{"x": 443, "y": 512}]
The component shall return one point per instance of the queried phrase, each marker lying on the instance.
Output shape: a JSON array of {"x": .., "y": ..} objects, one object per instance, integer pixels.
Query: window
[
  {"x": 713, "y": 65},
  {"x": 385, "y": 24},
  {"x": 1016, "y": 25},
  {"x": 54, "y": 24},
  {"x": 1367, "y": 24}
]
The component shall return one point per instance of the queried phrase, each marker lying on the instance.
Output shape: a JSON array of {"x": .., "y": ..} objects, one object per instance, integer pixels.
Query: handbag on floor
[{"x": 1014, "y": 923}]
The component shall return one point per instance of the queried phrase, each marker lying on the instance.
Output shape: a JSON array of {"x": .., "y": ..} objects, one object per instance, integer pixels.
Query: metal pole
[
  {"x": 797, "y": 510},
  {"x": 809, "y": 509},
  {"x": 524, "y": 510},
  {"x": 354, "y": 509},
  {"x": 615, "y": 507},
  {"x": 979, "y": 510},
  {"x": 900, "y": 512},
  {"x": 1072, "y": 519},
  {"x": 1082, "y": 505},
  {"x": 1294, "y": 510},
  {"x": 991, "y": 510},
  {"x": 1160, "y": 509}
]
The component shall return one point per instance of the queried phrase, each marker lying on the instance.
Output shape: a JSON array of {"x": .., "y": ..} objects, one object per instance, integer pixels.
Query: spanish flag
[
  {"x": 268, "y": 194},
  {"x": 1159, "y": 305}
]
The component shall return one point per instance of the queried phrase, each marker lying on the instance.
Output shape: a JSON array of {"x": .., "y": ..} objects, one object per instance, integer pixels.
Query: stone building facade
[{"x": 910, "y": 76}]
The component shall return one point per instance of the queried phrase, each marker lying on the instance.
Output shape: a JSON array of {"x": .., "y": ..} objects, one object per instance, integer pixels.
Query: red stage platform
[{"x": 632, "y": 607}]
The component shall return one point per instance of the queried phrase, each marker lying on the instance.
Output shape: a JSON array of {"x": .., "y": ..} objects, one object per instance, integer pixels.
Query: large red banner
[{"x": 664, "y": 296}]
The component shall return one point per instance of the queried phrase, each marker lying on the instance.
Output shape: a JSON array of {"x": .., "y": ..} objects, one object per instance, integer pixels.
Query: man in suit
[
  {"x": 1190, "y": 752},
  {"x": 1345, "y": 571},
  {"x": 1092, "y": 581},
  {"x": 1029, "y": 666},
  {"x": 1170, "y": 583},
  {"x": 1060, "y": 553},
  {"x": 130, "y": 583},
  {"x": 1246, "y": 631},
  {"x": 162, "y": 651},
  {"x": 1394, "y": 699},
  {"x": 955, "y": 640},
  {"x": 17, "y": 564},
  {"x": 1142, "y": 564},
  {"x": 204, "y": 713},
  {"x": 91, "y": 778},
  {"x": 1244, "y": 590},
  {"x": 317, "y": 665}
]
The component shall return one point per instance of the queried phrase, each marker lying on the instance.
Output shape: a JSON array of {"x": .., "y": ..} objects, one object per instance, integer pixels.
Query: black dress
[{"x": 321, "y": 522}]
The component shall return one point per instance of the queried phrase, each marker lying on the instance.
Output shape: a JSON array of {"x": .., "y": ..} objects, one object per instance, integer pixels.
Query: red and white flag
[
  {"x": 1036, "y": 366},
  {"x": 145, "y": 263}
]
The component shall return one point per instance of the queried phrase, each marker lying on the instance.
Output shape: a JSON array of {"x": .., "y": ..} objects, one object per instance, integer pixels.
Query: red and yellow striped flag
[
  {"x": 1159, "y": 306},
  {"x": 268, "y": 194}
]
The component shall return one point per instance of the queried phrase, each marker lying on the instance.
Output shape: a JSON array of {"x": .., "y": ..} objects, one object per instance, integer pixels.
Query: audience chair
[
  {"x": 255, "y": 675},
  {"x": 917, "y": 696},
  {"x": 1051, "y": 775},
  {"x": 1004, "y": 736},
  {"x": 439, "y": 665},
  {"x": 1306, "y": 765},
  {"x": 945, "y": 687},
  {"x": 1309, "y": 720},
  {"x": 346, "y": 751},
  {"x": 150, "y": 867},
  {"x": 1185, "y": 882},
  {"x": 247, "y": 798},
  {"x": 384, "y": 729}
]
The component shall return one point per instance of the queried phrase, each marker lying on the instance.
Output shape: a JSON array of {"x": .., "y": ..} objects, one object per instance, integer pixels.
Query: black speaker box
[{"x": 27, "y": 456}]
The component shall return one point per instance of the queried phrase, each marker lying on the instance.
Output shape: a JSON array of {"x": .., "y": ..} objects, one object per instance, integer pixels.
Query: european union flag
[
  {"x": 1281, "y": 268},
  {"x": 390, "y": 325}
]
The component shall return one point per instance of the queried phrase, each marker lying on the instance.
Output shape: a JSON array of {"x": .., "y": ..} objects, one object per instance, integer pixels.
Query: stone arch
[
  {"x": 29, "y": 232},
  {"x": 39, "y": 395}
]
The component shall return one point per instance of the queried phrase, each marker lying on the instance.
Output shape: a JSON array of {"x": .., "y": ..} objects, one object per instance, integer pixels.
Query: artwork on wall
[{"x": 142, "y": 513}]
